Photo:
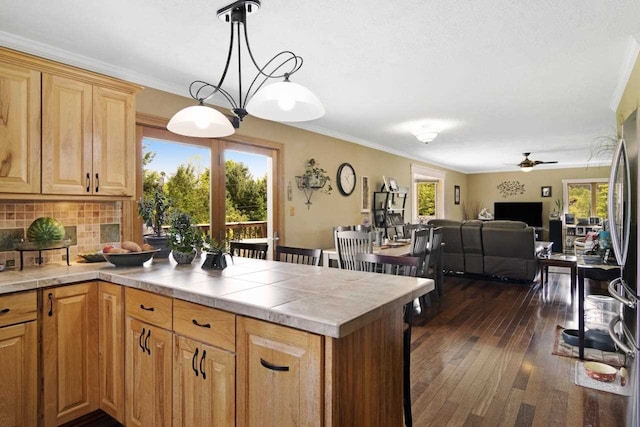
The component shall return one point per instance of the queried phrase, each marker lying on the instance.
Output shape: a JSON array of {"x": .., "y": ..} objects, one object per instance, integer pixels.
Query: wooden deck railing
[{"x": 238, "y": 230}]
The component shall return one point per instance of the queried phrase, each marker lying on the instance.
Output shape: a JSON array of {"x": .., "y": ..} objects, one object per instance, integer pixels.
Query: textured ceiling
[{"x": 495, "y": 77}]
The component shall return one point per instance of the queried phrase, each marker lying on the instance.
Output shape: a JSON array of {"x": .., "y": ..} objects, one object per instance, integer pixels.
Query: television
[{"x": 529, "y": 212}]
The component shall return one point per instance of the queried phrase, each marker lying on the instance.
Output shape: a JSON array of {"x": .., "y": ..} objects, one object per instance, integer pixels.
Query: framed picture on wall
[
  {"x": 456, "y": 194},
  {"x": 545, "y": 191},
  {"x": 393, "y": 185},
  {"x": 365, "y": 195}
]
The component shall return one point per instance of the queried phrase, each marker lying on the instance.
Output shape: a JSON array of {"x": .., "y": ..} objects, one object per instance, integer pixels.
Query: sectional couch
[{"x": 505, "y": 249}]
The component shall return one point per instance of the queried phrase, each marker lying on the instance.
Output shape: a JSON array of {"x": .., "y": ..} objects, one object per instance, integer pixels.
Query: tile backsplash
[{"x": 89, "y": 225}]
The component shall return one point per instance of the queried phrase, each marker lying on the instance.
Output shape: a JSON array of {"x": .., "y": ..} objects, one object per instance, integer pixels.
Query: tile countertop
[{"x": 325, "y": 301}]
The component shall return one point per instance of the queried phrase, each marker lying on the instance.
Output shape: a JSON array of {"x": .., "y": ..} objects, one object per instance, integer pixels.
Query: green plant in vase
[
  {"x": 184, "y": 238},
  {"x": 153, "y": 208},
  {"x": 216, "y": 250}
]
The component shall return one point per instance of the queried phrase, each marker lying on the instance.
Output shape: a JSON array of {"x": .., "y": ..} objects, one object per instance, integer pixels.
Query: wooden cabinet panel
[
  {"x": 19, "y": 375},
  {"x": 18, "y": 307},
  {"x": 203, "y": 385},
  {"x": 148, "y": 375},
  {"x": 205, "y": 324},
  {"x": 113, "y": 142},
  {"x": 67, "y": 136},
  {"x": 279, "y": 375},
  {"x": 111, "y": 349},
  {"x": 70, "y": 352},
  {"x": 19, "y": 129},
  {"x": 151, "y": 308}
]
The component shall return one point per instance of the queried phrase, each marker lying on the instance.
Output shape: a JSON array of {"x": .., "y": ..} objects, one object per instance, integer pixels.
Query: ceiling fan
[{"x": 526, "y": 165}]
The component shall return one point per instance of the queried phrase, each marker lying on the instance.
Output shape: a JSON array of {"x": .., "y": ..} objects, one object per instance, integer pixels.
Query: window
[
  {"x": 426, "y": 200},
  {"x": 586, "y": 198},
  {"x": 427, "y": 197}
]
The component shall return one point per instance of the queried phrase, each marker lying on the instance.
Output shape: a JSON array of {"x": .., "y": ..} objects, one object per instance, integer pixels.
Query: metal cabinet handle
[
  {"x": 97, "y": 183},
  {"x": 201, "y": 325},
  {"x": 193, "y": 362},
  {"x": 619, "y": 343},
  {"x": 146, "y": 340},
  {"x": 5, "y": 311},
  {"x": 140, "y": 339},
  {"x": 88, "y": 182},
  {"x": 204, "y": 355},
  {"x": 147, "y": 308},
  {"x": 273, "y": 367},
  {"x": 615, "y": 290},
  {"x": 50, "y": 304}
]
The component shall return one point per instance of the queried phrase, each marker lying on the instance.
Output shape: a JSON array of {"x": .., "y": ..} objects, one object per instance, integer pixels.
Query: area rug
[
  {"x": 561, "y": 348},
  {"x": 582, "y": 379}
]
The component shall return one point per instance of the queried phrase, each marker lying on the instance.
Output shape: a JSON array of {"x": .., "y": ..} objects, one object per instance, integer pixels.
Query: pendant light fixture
[{"x": 284, "y": 101}]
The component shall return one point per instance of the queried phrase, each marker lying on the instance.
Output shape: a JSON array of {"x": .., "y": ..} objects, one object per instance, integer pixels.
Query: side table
[{"x": 558, "y": 260}]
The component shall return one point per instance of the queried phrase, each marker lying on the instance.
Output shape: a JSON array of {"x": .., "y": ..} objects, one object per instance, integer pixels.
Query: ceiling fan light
[
  {"x": 426, "y": 136},
  {"x": 526, "y": 168},
  {"x": 200, "y": 121},
  {"x": 285, "y": 102}
]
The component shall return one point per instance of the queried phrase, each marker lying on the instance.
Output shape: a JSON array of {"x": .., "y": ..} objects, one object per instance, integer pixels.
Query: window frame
[{"x": 582, "y": 181}]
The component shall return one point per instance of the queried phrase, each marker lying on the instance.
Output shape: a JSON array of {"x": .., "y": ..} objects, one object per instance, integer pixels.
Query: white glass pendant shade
[
  {"x": 285, "y": 102},
  {"x": 200, "y": 121},
  {"x": 526, "y": 168}
]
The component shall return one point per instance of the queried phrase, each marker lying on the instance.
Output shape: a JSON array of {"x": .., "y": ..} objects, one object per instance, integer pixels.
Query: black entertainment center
[{"x": 529, "y": 212}]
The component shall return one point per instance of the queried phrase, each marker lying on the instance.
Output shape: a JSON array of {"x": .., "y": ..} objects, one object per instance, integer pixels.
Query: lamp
[
  {"x": 526, "y": 168},
  {"x": 426, "y": 136},
  {"x": 283, "y": 101}
]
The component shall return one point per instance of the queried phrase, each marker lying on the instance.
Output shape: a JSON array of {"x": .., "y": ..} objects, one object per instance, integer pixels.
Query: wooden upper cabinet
[
  {"x": 19, "y": 129},
  {"x": 67, "y": 136},
  {"x": 88, "y": 139},
  {"x": 113, "y": 143}
]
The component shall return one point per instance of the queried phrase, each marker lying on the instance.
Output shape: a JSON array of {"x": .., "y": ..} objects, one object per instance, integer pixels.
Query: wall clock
[{"x": 346, "y": 179}]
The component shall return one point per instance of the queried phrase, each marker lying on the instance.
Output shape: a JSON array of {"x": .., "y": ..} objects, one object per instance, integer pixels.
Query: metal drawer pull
[
  {"x": 273, "y": 367},
  {"x": 206, "y": 325},
  {"x": 631, "y": 301},
  {"x": 140, "y": 339},
  {"x": 146, "y": 340},
  {"x": 621, "y": 345},
  {"x": 204, "y": 354},
  {"x": 50, "y": 304},
  {"x": 193, "y": 362},
  {"x": 88, "y": 182},
  {"x": 5, "y": 310},
  {"x": 147, "y": 309}
]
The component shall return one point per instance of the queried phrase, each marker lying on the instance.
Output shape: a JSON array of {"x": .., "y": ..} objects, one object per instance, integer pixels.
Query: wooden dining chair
[
  {"x": 434, "y": 266},
  {"x": 399, "y": 266},
  {"x": 298, "y": 255},
  {"x": 249, "y": 250},
  {"x": 420, "y": 239},
  {"x": 408, "y": 228},
  {"x": 350, "y": 243}
]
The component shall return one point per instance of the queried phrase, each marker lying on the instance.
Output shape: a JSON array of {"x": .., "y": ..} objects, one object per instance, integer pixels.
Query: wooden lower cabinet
[
  {"x": 280, "y": 375},
  {"x": 70, "y": 352},
  {"x": 203, "y": 385},
  {"x": 19, "y": 375},
  {"x": 111, "y": 349},
  {"x": 148, "y": 373}
]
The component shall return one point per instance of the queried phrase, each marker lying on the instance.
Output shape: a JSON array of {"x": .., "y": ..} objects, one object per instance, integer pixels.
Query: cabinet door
[
  {"x": 113, "y": 143},
  {"x": 148, "y": 375},
  {"x": 67, "y": 135},
  {"x": 19, "y": 375},
  {"x": 279, "y": 375},
  {"x": 70, "y": 352},
  {"x": 19, "y": 130},
  {"x": 203, "y": 385},
  {"x": 111, "y": 349}
]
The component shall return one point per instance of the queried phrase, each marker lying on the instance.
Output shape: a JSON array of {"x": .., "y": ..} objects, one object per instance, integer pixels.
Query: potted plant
[
  {"x": 184, "y": 238},
  {"x": 316, "y": 177},
  {"x": 216, "y": 251},
  {"x": 153, "y": 210}
]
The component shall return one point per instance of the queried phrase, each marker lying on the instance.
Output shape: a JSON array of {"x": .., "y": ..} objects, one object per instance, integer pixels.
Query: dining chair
[
  {"x": 399, "y": 266},
  {"x": 434, "y": 266},
  {"x": 408, "y": 228},
  {"x": 350, "y": 243},
  {"x": 420, "y": 239},
  {"x": 298, "y": 255},
  {"x": 249, "y": 250},
  {"x": 365, "y": 228}
]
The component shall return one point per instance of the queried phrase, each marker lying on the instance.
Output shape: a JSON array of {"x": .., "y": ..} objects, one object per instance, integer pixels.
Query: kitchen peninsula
[{"x": 299, "y": 344}]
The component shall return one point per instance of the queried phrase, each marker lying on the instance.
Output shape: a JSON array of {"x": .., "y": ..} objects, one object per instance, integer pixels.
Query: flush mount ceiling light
[
  {"x": 426, "y": 136},
  {"x": 284, "y": 101}
]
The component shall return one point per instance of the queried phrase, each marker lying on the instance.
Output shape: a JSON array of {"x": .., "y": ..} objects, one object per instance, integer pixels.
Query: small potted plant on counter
[
  {"x": 153, "y": 208},
  {"x": 216, "y": 250},
  {"x": 184, "y": 238}
]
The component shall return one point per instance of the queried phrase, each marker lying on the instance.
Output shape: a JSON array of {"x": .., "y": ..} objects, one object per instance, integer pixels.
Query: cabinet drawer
[
  {"x": 205, "y": 324},
  {"x": 18, "y": 307},
  {"x": 150, "y": 308}
]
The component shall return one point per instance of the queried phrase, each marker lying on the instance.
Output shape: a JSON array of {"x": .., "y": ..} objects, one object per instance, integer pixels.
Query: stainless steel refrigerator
[{"x": 623, "y": 219}]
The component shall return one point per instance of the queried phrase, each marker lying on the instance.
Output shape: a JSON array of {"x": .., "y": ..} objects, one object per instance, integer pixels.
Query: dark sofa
[{"x": 504, "y": 249}]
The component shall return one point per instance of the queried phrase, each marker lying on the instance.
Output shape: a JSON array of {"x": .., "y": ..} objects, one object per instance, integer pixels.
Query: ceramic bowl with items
[
  {"x": 130, "y": 259},
  {"x": 600, "y": 371}
]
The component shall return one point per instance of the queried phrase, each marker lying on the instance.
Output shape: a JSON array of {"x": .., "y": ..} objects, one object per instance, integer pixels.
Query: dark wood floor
[{"x": 482, "y": 356}]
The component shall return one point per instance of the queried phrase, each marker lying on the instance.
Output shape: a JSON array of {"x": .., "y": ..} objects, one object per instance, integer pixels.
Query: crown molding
[{"x": 629, "y": 61}]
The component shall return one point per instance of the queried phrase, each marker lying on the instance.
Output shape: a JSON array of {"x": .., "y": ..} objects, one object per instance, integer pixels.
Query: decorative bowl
[
  {"x": 130, "y": 259},
  {"x": 600, "y": 371},
  {"x": 93, "y": 257}
]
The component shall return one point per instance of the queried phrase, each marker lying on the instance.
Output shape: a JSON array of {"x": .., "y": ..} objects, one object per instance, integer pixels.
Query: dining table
[{"x": 392, "y": 248}]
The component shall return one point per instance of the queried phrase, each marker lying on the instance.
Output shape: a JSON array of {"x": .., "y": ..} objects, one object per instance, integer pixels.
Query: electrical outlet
[{"x": 11, "y": 263}]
